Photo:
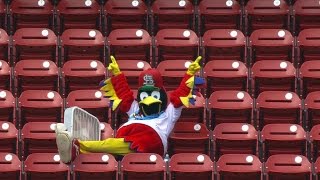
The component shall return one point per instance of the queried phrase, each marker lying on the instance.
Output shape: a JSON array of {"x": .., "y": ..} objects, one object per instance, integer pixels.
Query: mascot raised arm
[{"x": 151, "y": 118}]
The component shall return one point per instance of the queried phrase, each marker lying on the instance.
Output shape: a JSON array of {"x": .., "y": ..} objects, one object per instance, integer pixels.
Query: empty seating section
[
  {"x": 4, "y": 46},
  {"x": 172, "y": 14},
  {"x": 278, "y": 107},
  {"x": 288, "y": 166},
  {"x": 176, "y": 44},
  {"x": 230, "y": 107},
  {"x": 273, "y": 75},
  {"x": 190, "y": 166},
  {"x": 283, "y": 139},
  {"x": 224, "y": 44},
  {"x": 143, "y": 166},
  {"x": 239, "y": 166},
  {"x": 234, "y": 138},
  {"x": 36, "y": 75},
  {"x": 39, "y": 166},
  {"x": 95, "y": 165},
  {"x": 306, "y": 15},
  {"x": 226, "y": 75},
  {"x": 219, "y": 14},
  {"x": 130, "y": 44},
  {"x": 7, "y": 106},
  {"x": 40, "y": 106},
  {"x": 34, "y": 43},
  {"x": 257, "y": 117},
  {"x": 309, "y": 75},
  {"x": 267, "y": 15},
  {"x": 82, "y": 74},
  {"x": 5, "y": 75},
  {"x": 82, "y": 44},
  {"x": 78, "y": 14},
  {"x": 271, "y": 44},
  {"x": 308, "y": 42},
  {"x": 10, "y": 166},
  {"x": 189, "y": 137},
  {"x": 126, "y": 14},
  {"x": 38, "y": 137},
  {"x": 31, "y": 14},
  {"x": 8, "y": 137}
]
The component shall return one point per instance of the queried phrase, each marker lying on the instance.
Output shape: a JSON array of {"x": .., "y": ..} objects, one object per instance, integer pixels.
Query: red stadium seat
[
  {"x": 267, "y": 14},
  {"x": 315, "y": 141},
  {"x": 224, "y": 44},
  {"x": 190, "y": 166},
  {"x": 83, "y": 74},
  {"x": 10, "y": 166},
  {"x": 230, "y": 107},
  {"x": 288, "y": 166},
  {"x": 8, "y": 137},
  {"x": 91, "y": 101},
  {"x": 219, "y": 14},
  {"x": 130, "y": 44},
  {"x": 5, "y": 75},
  {"x": 3, "y": 10},
  {"x": 173, "y": 14},
  {"x": 176, "y": 44},
  {"x": 31, "y": 14},
  {"x": 274, "y": 107},
  {"x": 310, "y": 77},
  {"x": 40, "y": 106},
  {"x": 189, "y": 137},
  {"x": 308, "y": 43},
  {"x": 125, "y": 14},
  {"x": 306, "y": 14},
  {"x": 96, "y": 166},
  {"x": 132, "y": 69},
  {"x": 36, "y": 75},
  {"x": 39, "y": 166},
  {"x": 82, "y": 44},
  {"x": 273, "y": 75},
  {"x": 7, "y": 106},
  {"x": 173, "y": 72},
  {"x": 271, "y": 44},
  {"x": 4, "y": 43},
  {"x": 38, "y": 137},
  {"x": 142, "y": 166},
  {"x": 312, "y": 107},
  {"x": 239, "y": 166},
  {"x": 35, "y": 43},
  {"x": 75, "y": 14},
  {"x": 234, "y": 138},
  {"x": 225, "y": 75},
  {"x": 194, "y": 113},
  {"x": 283, "y": 139},
  {"x": 317, "y": 167}
]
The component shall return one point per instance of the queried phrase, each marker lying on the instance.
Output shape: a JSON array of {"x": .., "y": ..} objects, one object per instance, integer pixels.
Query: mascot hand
[
  {"x": 194, "y": 66},
  {"x": 114, "y": 67}
]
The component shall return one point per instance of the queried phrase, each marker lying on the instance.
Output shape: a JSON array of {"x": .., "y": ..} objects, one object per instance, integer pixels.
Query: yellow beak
[{"x": 149, "y": 100}]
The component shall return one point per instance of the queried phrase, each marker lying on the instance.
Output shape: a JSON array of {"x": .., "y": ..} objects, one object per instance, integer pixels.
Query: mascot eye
[
  {"x": 155, "y": 94},
  {"x": 143, "y": 95}
]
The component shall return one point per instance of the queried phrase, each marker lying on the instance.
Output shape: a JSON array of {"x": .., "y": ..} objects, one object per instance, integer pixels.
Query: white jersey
[{"x": 162, "y": 124}]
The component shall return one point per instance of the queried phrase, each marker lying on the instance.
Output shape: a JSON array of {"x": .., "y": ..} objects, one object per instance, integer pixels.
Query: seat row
[
  {"x": 185, "y": 166},
  {"x": 265, "y": 75},
  {"x": 186, "y": 137},
  {"x": 221, "y": 106},
  {"x": 168, "y": 44},
  {"x": 160, "y": 14}
]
